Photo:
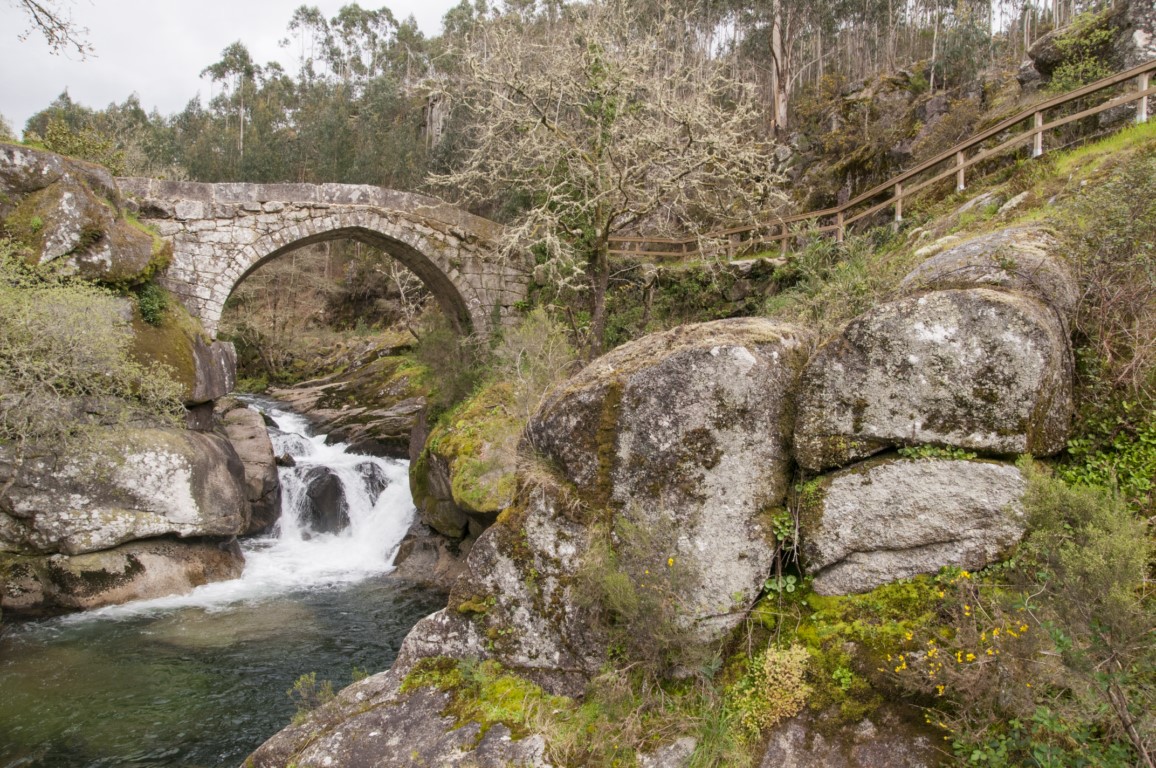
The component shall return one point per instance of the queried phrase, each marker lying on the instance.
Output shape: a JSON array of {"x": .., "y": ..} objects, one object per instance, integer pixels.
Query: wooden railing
[{"x": 952, "y": 162}]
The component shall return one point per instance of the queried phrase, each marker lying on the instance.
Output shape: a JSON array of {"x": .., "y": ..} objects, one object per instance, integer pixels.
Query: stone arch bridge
[{"x": 222, "y": 232}]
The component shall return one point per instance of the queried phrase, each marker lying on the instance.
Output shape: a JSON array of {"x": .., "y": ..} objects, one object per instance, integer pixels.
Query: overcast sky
[{"x": 155, "y": 48}]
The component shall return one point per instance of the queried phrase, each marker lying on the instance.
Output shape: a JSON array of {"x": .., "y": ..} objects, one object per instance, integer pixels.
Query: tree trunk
[
  {"x": 780, "y": 73},
  {"x": 599, "y": 267}
]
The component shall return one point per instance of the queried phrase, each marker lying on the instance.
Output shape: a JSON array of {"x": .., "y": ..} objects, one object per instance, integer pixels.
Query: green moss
[
  {"x": 478, "y": 441},
  {"x": 169, "y": 341},
  {"x": 484, "y": 693}
]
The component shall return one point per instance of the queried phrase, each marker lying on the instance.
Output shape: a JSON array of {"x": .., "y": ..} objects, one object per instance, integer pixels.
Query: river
[{"x": 201, "y": 680}]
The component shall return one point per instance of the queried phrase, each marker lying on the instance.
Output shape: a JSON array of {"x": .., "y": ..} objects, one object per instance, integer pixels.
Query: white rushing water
[{"x": 294, "y": 557}]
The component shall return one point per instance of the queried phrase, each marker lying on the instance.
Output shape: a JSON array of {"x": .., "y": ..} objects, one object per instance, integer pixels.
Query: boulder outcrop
[
  {"x": 892, "y": 518},
  {"x": 69, "y": 211},
  {"x": 245, "y": 429},
  {"x": 1018, "y": 259},
  {"x": 139, "y": 570},
  {"x": 979, "y": 369},
  {"x": 665, "y": 456},
  {"x": 124, "y": 485}
]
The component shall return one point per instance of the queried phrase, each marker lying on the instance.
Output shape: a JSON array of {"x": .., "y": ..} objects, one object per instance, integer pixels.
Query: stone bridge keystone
[{"x": 222, "y": 232}]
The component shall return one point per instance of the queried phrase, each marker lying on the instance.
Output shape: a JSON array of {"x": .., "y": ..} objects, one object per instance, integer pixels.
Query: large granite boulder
[
  {"x": 69, "y": 212},
  {"x": 139, "y": 570},
  {"x": 671, "y": 452},
  {"x": 245, "y": 429},
  {"x": 121, "y": 485},
  {"x": 1018, "y": 259},
  {"x": 892, "y": 518},
  {"x": 978, "y": 369},
  {"x": 686, "y": 431}
]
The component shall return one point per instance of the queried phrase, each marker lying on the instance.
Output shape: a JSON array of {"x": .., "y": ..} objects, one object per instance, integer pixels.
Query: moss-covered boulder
[
  {"x": 892, "y": 518},
  {"x": 391, "y": 719},
  {"x": 464, "y": 476},
  {"x": 121, "y": 485},
  {"x": 978, "y": 369},
  {"x": 140, "y": 570},
  {"x": 69, "y": 213},
  {"x": 686, "y": 431}
]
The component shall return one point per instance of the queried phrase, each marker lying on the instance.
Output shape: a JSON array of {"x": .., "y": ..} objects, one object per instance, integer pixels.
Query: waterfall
[{"x": 344, "y": 533}]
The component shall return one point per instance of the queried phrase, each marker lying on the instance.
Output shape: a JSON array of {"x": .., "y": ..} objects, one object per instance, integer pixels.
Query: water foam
[{"x": 294, "y": 558}]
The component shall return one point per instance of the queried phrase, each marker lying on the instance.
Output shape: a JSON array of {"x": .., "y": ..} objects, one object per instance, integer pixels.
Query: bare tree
[
  {"x": 56, "y": 24},
  {"x": 607, "y": 126}
]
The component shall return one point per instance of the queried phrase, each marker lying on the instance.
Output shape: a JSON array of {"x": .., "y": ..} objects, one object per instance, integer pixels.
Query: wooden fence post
[
  {"x": 1142, "y": 107},
  {"x": 839, "y": 227},
  {"x": 1038, "y": 139},
  {"x": 898, "y": 205},
  {"x": 960, "y": 183}
]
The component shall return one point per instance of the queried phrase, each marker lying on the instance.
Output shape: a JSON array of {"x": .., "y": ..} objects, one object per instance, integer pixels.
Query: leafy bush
[
  {"x": 532, "y": 357},
  {"x": 1047, "y": 659},
  {"x": 454, "y": 361},
  {"x": 65, "y": 360},
  {"x": 1084, "y": 49},
  {"x": 85, "y": 143}
]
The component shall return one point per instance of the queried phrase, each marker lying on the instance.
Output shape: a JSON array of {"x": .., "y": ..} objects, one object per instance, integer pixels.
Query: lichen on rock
[
  {"x": 979, "y": 369},
  {"x": 125, "y": 484},
  {"x": 892, "y": 518}
]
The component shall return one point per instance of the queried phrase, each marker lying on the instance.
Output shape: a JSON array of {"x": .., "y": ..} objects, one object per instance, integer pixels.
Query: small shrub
[
  {"x": 454, "y": 361},
  {"x": 307, "y": 694},
  {"x": 152, "y": 301},
  {"x": 634, "y": 577},
  {"x": 532, "y": 357}
]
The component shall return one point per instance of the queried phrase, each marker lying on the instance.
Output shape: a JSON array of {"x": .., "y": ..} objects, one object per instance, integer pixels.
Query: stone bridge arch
[{"x": 220, "y": 233}]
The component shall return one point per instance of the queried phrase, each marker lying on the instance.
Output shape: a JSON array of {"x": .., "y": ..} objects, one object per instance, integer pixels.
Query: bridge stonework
[{"x": 221, "y": 232}]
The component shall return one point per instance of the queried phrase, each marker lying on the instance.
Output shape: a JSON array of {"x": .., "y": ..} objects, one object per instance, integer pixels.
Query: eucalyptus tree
[
  {"x": 609, "y": 125},
  {"x": 236, "y": 71}
]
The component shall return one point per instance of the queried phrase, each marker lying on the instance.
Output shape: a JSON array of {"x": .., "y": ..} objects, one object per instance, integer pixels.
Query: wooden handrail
[{"x": 655, "y": 246}]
